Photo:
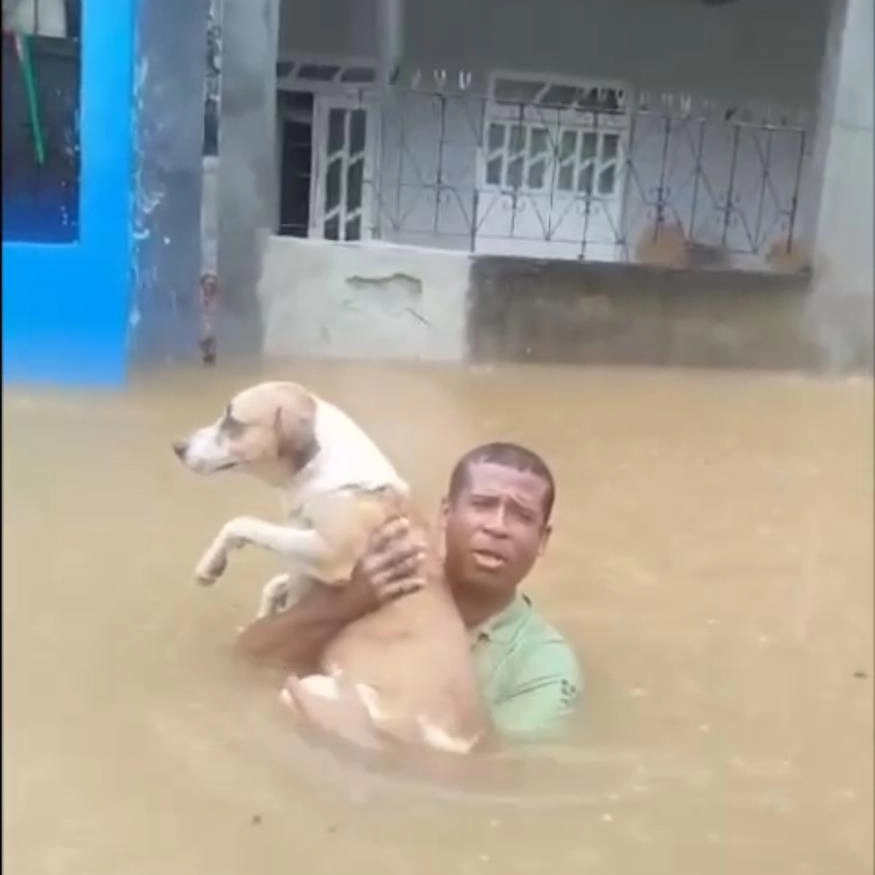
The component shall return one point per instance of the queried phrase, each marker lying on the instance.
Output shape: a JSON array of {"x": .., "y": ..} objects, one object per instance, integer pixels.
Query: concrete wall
[
  {"x": 381, "y": 301},
  {"x": 247, "y": 180},
  {"x": 169, "y": 101},
  {"x": 636, "y": 315},
  {"x": 739, "y": 51},
  {"x": 346, "y": 27},
  {"x": 841, "y": 309},
  {"x": 363, "y": 301}
]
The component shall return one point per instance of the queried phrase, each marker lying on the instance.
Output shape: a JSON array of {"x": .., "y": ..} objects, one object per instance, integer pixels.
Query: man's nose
[
  {"x": 180, "y": 447},
  {"x": 496, "y": 521}
]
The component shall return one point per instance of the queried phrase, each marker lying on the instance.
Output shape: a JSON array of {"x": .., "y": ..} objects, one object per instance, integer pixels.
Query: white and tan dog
[{"x": 402, "y": 672}]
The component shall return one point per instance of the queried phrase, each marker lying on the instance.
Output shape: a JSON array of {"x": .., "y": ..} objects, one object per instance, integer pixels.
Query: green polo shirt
[{"x": 529, "y": 674}]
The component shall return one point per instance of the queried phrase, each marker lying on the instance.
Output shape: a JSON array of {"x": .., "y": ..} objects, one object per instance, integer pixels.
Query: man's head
[{"x": 497, "y": 517}]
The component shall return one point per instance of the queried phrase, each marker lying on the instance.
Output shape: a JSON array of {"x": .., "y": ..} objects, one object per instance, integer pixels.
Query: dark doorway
[{"x": 295, "y": 116}]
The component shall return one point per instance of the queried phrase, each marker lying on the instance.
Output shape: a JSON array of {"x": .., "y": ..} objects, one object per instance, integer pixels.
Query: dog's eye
[{"x": 231, "y": 426}]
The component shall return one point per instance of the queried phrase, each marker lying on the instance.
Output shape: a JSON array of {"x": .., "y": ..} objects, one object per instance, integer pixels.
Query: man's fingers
[
  {"x": 378, "y": 561},
  {"x": 390, "y": 531},
  {"x": 401, "y": 588},
  {"x": 400, "y": 564}
]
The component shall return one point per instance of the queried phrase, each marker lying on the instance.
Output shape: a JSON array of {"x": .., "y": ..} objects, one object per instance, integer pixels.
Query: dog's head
[{"x": 268, "y": 430}]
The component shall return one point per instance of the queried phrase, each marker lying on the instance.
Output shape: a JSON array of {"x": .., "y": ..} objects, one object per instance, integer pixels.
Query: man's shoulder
[
  {"x": 537, "y": 681},
  {"x": 541, "y": 649}
]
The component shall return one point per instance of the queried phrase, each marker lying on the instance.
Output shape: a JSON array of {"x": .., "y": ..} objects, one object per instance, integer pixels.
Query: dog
[{"x": 402, "y": 673}]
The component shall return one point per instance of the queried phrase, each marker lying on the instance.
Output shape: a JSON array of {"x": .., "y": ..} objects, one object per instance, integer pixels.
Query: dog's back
[{"x": 412, "y": 654}]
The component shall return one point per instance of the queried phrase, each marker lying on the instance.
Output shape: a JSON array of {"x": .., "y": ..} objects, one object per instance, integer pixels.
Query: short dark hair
[{"x": 510, "y": 456}]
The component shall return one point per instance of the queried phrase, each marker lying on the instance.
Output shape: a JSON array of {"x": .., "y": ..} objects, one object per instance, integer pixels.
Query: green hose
[{"x": 23, "y": 45}]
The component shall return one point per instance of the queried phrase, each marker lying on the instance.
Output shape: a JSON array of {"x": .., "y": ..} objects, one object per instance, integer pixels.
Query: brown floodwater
[{"x": 712, "y": 563}]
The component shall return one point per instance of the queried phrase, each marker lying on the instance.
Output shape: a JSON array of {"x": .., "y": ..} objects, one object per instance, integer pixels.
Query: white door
[{"x": 344, "y": 133}]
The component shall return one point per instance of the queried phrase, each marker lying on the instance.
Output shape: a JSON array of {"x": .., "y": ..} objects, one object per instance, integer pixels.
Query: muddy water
[{"x": 712, "y": 563}]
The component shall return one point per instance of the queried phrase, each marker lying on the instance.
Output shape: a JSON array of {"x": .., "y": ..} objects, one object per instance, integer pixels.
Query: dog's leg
[
  {"x": 274, "y": 596},
  {"x": 281, "y": 592},
  {"x": 300, "y": 547}
]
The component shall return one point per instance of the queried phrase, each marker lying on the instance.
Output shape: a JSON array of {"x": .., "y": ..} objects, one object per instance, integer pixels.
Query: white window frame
[
  {"x": 582, "y": 122},
  {"x": 292, "y": 82},
  {"x": 328, "y": 94},
  {"x": 322, "y": 105}
]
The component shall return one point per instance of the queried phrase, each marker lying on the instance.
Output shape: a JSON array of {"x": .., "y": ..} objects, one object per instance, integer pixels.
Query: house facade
[
  {"x": 573, "y": 130},
  {"x": 400, "y": 141}
]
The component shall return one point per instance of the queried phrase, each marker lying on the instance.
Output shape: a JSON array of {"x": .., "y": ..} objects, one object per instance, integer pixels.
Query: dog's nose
[{"x": 179, "y": 447}]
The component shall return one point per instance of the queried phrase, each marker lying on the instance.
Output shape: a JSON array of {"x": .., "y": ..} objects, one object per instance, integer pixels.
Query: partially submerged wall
[
  {"x": 352, "y": 301},
  {"x": 246, "y": 183},
  {"x": 169, "y": 104},
  {"x": 381, "y": 301},
  {"x": 631, "y": 314}
]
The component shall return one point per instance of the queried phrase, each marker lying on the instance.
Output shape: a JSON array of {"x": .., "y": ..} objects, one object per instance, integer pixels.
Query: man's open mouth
[{"x": 489, "y": 559}]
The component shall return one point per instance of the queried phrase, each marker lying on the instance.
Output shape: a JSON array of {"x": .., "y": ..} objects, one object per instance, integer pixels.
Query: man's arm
[
  {"x": 546, "y": 691},
  {"x": 295, "y": 639}
]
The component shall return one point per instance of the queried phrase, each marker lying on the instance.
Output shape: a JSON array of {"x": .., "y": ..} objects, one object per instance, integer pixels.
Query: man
[{"x": 496, "y": 518}]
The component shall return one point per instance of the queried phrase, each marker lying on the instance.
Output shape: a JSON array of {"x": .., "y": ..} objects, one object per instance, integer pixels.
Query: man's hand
[{"x": 392, "y": 565}]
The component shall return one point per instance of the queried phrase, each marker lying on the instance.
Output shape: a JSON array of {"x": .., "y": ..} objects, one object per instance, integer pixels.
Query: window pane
[
  {"x": 589, "y": 146},
  {"x": 41, "y": 160},
  {"x": 517, "y": 139},
  {"x": 565, "y": 178},
  {"x": 354, "y": 228},
  {"x": 535, "y": 176},
  {"x": 567, "y": 150},
  {"x": 332, "y": 185},
  {"x": 332, "y": 228},
  {"x": 567, "y": 145},
  {"x": 318, "y": 72},
  {"x": 610, "y": 146},
  {"x": 539, "y": 142},
  {"x": 336, "y": 132},
  {"x": 584, "y": 181},
  {"x": 516, "y": 91},
  {"x": 493, "y": 171},
  {"x": 357, "y": 75},
  {"x": 515, "y": 172},
  {"x": 558, "y": 96},
  {"x": 496, "y": 136},
  {"x": 354, "y": 183},
  {"x": 356, "y": 131},
  {"x": 607, "y": 179}
]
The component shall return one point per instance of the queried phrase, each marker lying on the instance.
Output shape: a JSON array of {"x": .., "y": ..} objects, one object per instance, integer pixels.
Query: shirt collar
[{"x": 502, "y": 626}]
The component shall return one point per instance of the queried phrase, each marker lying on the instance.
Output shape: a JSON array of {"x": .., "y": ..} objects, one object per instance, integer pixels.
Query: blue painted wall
[{"x": 65, "y": 306}]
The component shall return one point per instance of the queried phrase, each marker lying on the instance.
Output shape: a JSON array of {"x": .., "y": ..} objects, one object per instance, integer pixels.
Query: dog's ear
[{"x": 295, "y": 425}]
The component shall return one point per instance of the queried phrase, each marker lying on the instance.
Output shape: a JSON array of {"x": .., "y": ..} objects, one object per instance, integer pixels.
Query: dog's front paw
[{"x": 211, "y": 567}]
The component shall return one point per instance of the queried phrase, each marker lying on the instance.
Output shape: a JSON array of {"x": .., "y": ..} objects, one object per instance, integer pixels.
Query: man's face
[{"x": 495, "y": 528}]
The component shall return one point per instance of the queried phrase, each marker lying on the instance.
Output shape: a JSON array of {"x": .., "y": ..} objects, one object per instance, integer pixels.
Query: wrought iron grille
[{"x": 593, "y": 180}]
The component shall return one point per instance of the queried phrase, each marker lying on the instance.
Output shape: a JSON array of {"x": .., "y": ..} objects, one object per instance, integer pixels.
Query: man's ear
[{"x": 545, "y": 539}]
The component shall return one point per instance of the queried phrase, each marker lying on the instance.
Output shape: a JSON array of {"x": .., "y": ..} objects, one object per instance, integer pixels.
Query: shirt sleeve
[{"x": 545, "y": 691}]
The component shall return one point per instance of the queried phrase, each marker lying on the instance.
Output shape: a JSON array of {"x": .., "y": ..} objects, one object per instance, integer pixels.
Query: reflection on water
[{"x": 712, "y": 562}]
